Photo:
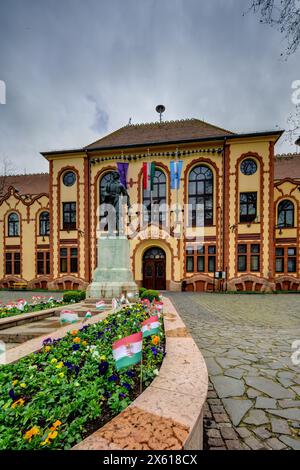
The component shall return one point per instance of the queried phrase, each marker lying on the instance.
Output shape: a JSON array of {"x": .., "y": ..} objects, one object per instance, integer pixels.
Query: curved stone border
[{"x": 169, "y": 413}]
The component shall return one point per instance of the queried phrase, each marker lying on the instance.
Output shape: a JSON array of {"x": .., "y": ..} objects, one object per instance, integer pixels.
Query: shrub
[
  {"x": 150, "y": 295},
  {"x": 74, "y": 296},
  {"x": 141, "y": 291}
]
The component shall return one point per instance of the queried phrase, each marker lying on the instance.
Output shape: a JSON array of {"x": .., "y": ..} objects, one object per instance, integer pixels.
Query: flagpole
[{"x": 141, "y": 379}]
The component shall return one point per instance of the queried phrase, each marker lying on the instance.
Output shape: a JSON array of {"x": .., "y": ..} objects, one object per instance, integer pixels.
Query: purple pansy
[
  {"x": 103, "y": 366},
  {"x": 112, "y": 378}
]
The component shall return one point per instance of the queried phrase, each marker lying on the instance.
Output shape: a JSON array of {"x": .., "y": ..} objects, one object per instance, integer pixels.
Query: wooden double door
[{"x": 154, "y": 269}]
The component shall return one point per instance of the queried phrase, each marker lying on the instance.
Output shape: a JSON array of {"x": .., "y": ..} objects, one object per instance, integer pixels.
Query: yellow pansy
[
  {"x": 61, "y": 374},
  {"x": 52, "y": 434},
  {"x": 53, "y": 361},
  {"x": 15, "y": 382},
  {"x": 47, "y": 348},
  {"x": 19, "y": 402},
  {"x": 102, "y": 358},
  {"x": 23, "y": 385},
  {"x": 84, "y": 343},
  {"x": 60, "y": 365},
  {"x": 32, "y": 432},
  {"x": 76, "y": 340}
]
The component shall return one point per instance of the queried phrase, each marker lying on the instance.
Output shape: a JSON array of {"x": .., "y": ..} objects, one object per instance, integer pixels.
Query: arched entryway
[{"x": 154, "y": 269}]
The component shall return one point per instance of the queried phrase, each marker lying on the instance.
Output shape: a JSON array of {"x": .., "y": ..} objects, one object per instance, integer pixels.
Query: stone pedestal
[{"x": 113, "y": 274}]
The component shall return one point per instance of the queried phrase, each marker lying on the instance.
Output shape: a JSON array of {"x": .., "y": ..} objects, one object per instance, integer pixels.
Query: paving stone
[
  {"x": 224, "y": 425},
  {"x": 228, "y": 387},
  {"x": 226, "y": 362},
  {"x": 285, "y": 382},
  {"x": 256, "y": 417},
  {"x": 233, "y": 445},
  {"x": 262, "y": 433},
  {"x": 280, "y": 426},
  {"x": 215, "y": 433},
  {"x": 252, "y": 393},
  {"x": 212, "y": 366},
  {"x": 236, "y": 408},
  {"x": 275, "y": 444},
  {"x": 217, "y": 409},
  {"x": 285, "y": 374},
  {"x": 290, "y": 442},
  {"x": 221, "y": 418},
  {"x": 228, "y": 433},
  {"x": 214, "y": 442},
  {"x": 218, "y": 448},
  {"x": 269, "y": 387},
  {"x": 291, "y": 413},
  {"x": 235, "y": 373},
  {"x": 215, "y": 401},
  {"x": 254, "y": 443},
  {"x": 262, "y": 402},
  {"x": 297, "y": 390},
  {"x": 243, "y": 432},
  {"x": 211, "y": 394},
  {"x": 289, "y": 403}
]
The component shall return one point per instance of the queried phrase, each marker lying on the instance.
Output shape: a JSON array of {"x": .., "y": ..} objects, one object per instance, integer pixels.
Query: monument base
[{"x": 113, "y": 274}]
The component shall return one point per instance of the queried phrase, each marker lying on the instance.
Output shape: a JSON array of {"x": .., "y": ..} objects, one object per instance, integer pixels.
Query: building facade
[{"x": 49, "y": 223}]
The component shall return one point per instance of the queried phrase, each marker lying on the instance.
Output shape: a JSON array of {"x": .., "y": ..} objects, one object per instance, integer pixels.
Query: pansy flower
[
  {"x": 112, "y": 378},
  {"x": 103, "y": 367}
]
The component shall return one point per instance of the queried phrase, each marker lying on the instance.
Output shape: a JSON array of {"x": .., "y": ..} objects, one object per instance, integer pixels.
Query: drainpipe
[
  {"x": 87, "y": 222},
  {"x": 223, "y": 210}
]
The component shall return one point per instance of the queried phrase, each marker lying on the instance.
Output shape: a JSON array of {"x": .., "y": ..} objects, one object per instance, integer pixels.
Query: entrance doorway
[{"x": 154, "y": 269}]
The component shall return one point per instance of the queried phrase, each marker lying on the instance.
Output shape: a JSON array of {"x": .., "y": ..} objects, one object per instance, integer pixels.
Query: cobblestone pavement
[{"x": 254, "y": 393}]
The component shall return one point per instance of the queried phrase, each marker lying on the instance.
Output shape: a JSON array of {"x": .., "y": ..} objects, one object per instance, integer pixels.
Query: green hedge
[
  {"x": 150, "y": 295},
  {"x": 141, "y": 291},
  {"x": 74, "y": 296}
]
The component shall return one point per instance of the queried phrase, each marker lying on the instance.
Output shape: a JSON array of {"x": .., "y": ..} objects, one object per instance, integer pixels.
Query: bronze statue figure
[{"x": 112, "y": 196}]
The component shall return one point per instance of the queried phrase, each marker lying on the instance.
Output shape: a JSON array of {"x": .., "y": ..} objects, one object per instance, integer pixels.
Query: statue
[{"x": 112, "y": 196}]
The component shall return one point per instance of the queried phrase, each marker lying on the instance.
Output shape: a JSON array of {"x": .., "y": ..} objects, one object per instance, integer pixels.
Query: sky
[{"x": 75, "y": 70}]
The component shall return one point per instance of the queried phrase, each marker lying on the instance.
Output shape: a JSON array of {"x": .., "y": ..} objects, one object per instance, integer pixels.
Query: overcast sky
[{"x": 78, "y": 69}]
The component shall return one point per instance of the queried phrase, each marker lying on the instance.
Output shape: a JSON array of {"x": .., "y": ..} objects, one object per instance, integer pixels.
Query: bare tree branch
[
  {"x": 284, "y": 15},
  {"x": 6, "y": 169}
]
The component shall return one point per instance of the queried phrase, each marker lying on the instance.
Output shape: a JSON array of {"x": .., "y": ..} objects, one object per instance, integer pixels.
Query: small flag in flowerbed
[
  {"x": 100, "y": 305},
  {"x": 21, "y": 304},
  {"x": 150, "y": 326},
  {"x": 128, "y": 351},
  {"x": 68, "y": 316}
]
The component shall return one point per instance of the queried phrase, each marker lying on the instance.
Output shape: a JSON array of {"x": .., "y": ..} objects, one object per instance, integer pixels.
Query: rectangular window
[
  {"x": 279, "y": 264},
  {"x": 292, "y": 264},
  {"x": 200, "y": 258},
  {"x": 74, "y": 260},
  {"x": 43, "y": 262},
  {"x": 8, "y": 263},
  {"x": 254, "y": 258},
  {"x": 242, "y": 263},
  {"x": 69, "y": 215},
  {"x": 189, "y": 264},
  {"x": 12, "y": 263},
  {"x": 248, "y": 203},
  {"x": 68, "y": 260},
  {"x": 63, "y": 260}
]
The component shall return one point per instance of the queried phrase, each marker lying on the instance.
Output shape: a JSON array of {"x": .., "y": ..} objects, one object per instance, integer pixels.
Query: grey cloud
[{"x": 76, "y": 70}]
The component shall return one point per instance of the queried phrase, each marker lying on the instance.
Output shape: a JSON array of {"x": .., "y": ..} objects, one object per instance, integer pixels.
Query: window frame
[
  {"x": 14, "y": 262},
  {"x": 284, "y": 211},
  {"x": 44, "y": 223},
  {"x": 68, "y": 224},
  {"x": 247, "y": 217},
  {"x": 15, "y": 224},
  {"x": 159, "y": 197},
  {"x": 195, "y": 253},
  {"x": 248, "y": 252},
  {"x": 67, "y": 260},
  {"x": 285, "y": 257},
  {"x": 43, "y": 262},
  {"x": 195, "y": 196}
]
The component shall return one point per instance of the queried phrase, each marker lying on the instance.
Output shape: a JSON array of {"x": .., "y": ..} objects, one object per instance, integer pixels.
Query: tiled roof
[
  {"x": 26, "y": 184},
  {"x": 155, "y": 132},
  {"x": 287, "y": 166}
]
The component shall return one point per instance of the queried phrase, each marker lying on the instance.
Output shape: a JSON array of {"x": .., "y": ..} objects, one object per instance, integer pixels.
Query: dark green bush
[
  {"x": 150, "y": 295},
  {"x": 142, "y": 290},
  {"x": 74, "y": 296}
]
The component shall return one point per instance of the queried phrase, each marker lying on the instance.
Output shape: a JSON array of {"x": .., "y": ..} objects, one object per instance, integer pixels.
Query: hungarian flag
[
  {"x": 150, "y": 326},
  {"x": 100, "y": 305},
  {"x": 148, "y": 174},
  {"x": 128, "y": 351}
]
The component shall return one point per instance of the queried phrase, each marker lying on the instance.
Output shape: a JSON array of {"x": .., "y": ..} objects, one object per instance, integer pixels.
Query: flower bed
[
  {"x": 36, "y": 303},
  {"x": 56, "y": 397}
]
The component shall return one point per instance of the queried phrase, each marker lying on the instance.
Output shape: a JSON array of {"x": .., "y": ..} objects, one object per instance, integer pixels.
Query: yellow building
[{"x": 49, "y": 223}]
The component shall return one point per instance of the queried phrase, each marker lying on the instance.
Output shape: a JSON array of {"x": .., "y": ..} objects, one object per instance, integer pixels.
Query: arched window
[
  {"x": 154, "y": 201},
  {"x": 44, "y": 223},
  {"x": 200, "y": 197},
  {"x": 13, "y": 225},
  {"x": 285, "y": 214},
  {"x": 106, "y": 178}
]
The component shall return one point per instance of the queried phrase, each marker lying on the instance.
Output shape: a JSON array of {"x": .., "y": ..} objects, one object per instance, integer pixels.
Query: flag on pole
[
  {"x": 123, "y": 169},
  {"x": 175, "y": 168},
  {"x": 148, "y": 173},
  {"x": 128, "y": 351},
  {"x": 150, "y": 326}
]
